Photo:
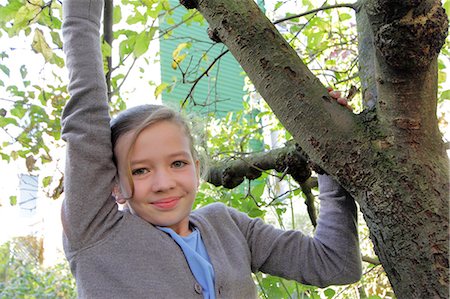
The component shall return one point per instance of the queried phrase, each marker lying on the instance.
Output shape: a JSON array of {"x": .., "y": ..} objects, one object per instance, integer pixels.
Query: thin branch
[
  {"x": 371, "y": 260},
  {"x": 162, "y": 33},
  {"x": 309, "y": 201},
  {"x": 348, "y": 5},
  {"x": 124, "y": 78},
  {"x": 196, "y": 81},
  {"x": 46, "y": 5},
  {"x": 108, "y": 38},
  {"x": 13, "y": 101}
]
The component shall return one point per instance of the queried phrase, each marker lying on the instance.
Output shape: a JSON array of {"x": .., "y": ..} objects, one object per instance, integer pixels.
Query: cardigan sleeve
[
  {"x": 330, "y": 257},
  {"x": 87, "y": 209}
]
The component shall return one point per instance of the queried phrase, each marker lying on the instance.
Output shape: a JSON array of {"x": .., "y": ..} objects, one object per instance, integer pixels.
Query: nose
[{"x": 162, "y": 180}]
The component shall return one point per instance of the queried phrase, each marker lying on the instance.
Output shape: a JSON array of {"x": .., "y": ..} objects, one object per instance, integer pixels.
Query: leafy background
[{"x": 33, "y": 90}]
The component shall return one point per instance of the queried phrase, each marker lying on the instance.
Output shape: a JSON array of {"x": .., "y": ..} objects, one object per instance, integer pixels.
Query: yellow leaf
[
  {"x": 39, "y": 45},
  {"x": 177, "y": 60},
  {"x": 160, "y": 88},
  {"x": 177, "y": 51}
]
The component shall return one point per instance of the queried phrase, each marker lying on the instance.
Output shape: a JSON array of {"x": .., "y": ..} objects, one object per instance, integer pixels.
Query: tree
[{"x": 391, "y": 157}]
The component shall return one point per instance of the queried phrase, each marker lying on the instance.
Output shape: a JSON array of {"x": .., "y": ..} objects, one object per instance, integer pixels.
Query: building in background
[{"x": 221, "y": 91}]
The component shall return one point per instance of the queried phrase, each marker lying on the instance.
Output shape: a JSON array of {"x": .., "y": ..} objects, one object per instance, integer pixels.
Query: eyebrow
[{"x": 172, "y": 155}]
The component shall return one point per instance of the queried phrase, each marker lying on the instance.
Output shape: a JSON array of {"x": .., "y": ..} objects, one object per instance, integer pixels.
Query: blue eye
[
  {"x": 178, "y": 164},
  {"x": 139, "y": 171}
]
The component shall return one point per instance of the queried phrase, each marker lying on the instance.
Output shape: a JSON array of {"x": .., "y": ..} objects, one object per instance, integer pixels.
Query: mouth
[{"x": 166, "y": 203}]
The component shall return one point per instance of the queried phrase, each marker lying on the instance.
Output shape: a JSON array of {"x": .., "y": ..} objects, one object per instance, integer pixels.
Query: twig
[
  {"x": 348, "y": 5},
  {"x": 201, "y": 76}
]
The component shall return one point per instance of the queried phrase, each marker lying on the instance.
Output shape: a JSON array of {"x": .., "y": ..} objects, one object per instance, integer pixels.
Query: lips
[{"x": 166, "y": 203}]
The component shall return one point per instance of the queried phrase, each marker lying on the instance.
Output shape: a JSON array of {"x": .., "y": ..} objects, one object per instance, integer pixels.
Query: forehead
[
  {"x": 162, "y": 134},
  {"x": 160, "y": 138}
]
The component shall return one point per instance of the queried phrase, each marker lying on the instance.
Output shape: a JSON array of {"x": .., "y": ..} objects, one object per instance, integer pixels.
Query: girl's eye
[
  {"x": 139, "y": 171},
  {"x": 178, "y": 164}
]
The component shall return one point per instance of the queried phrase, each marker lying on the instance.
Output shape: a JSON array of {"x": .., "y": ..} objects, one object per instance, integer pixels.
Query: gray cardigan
[{"x": 114, "y": 254}]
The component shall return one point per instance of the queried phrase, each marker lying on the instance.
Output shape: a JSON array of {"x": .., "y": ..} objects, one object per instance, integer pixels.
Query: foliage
[{"x": 25, "y": 278}]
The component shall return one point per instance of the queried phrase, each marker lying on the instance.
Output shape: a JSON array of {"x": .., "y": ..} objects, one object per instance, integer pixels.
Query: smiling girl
[{"x": 157, "y": 247}]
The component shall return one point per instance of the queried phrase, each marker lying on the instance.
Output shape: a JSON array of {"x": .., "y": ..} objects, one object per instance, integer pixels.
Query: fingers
[{"x": 336, "y": 95}]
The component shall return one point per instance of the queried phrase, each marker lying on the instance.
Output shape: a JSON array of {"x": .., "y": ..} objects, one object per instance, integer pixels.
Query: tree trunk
[{"x": 390, "y": 158}]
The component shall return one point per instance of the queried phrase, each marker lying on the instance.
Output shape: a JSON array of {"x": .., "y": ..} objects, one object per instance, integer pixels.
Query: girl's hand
[{"x": 336, "y": 95}]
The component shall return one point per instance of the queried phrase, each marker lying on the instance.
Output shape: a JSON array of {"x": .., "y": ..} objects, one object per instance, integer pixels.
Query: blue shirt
[{"x": 198, "y": 260}]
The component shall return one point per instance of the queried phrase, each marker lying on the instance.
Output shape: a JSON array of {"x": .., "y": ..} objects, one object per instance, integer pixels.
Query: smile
[{"x": 167, "y": 203}]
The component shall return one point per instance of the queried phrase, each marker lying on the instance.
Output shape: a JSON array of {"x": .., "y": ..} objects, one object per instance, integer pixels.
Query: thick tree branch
[
  {"x": 289, "y": 159},
  {"x": 296, "y": 96}
]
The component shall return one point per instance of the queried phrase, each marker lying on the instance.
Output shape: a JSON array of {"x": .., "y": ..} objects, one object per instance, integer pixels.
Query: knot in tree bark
[
  {"x": 213, "y": 35},
  {"x": 413, "y": 38},
  {"x": 189, "y": 4}
]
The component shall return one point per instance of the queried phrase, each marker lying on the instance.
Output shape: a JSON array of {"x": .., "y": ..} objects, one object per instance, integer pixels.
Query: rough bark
[
  {"x": 287, "y": 160},
  {"x": 390, "y": 158}
]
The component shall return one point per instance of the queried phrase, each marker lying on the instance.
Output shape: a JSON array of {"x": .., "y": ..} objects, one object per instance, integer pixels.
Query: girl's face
[{"x": 164, "y": 173}]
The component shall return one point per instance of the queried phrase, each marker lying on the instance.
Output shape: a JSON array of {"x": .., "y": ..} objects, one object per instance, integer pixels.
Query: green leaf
[
  {"x": 26, "y": 14},
  {"x": 278, "y": 5},
  {"x": 141, "y": 45},
  {"x": 4, "y": 69},
  {"x": 4, "y": 121},
  {"x": 8, "y": 12},
  {"x": 18, "y": 111},
  {"x": 117, "y": 14},
  {"x": 13, "y": 200},
  {"x": 56, "y": 39},
  {"x": 5, "y": 157},
  {"x": 446, "y": 6},
  {"x": 445, "y": 95},
  {"x": 329, "y": 293},
  {"x": 56, "y": 60},
  {"x": 442, "y": 76},
  {"x": 258, "y": 190},
  {"x": 23, "y": 71},
  {"x": 136, "y": 18},
  {"x": 253, "y": 213},
  {"x": 126, "y": 46},
  {"x": 344, "y": 16},
  {"x": 106, "y": 49},
  {"x": 47, "y": 181}
]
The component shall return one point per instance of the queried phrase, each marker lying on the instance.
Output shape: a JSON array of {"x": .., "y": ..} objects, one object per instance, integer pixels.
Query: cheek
[{"x": 141, "y": 187}]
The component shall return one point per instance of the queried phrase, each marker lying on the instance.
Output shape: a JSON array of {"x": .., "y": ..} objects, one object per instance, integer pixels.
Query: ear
[{"x": 120, "y": 199}]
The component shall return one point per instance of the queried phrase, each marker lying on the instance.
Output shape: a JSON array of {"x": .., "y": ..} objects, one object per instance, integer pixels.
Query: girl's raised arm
[{"x": 88, "y": 209}]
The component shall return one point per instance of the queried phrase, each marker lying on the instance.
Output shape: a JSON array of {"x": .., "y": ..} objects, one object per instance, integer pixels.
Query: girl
[{"x": 157, "y": 247}]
